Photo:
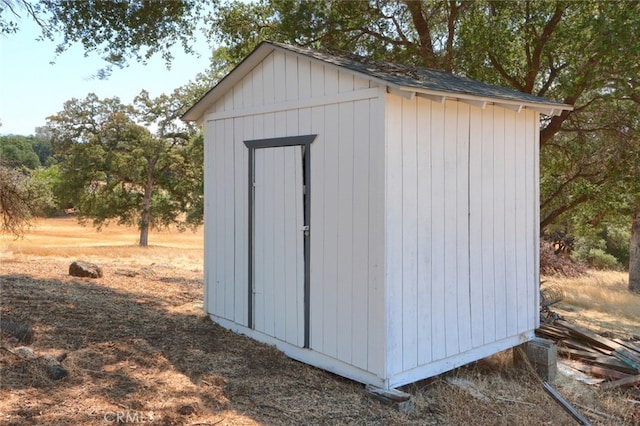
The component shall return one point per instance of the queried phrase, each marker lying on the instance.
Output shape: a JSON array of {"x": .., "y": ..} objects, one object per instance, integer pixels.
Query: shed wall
[
  {"x": 461, "y": 232},
  {"x": 287, "y": 95}
]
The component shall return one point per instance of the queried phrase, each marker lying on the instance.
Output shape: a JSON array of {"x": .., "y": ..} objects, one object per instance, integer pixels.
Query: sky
[{"x": 31, "y": 88}]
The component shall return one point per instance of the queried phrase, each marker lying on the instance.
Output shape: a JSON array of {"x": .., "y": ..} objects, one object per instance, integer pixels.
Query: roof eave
[{"x": 547, "y": 108}]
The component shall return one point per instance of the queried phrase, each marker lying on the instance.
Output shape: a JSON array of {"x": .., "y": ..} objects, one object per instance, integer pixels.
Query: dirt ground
[{"x": 139, "y": 349}]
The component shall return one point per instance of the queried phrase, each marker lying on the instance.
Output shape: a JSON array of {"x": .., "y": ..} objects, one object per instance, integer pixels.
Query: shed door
[{"x": 278, "y": 272}]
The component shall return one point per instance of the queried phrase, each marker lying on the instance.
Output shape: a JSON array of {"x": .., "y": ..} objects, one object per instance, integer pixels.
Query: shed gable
[{"x": 284, "y": 80}]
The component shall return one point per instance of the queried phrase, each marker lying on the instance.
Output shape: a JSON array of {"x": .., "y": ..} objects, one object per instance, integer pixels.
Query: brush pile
[{"x": 558, "y": 264}]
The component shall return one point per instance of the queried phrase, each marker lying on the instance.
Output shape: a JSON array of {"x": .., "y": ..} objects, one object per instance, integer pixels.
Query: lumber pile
[{"x": 615, "y": 360}]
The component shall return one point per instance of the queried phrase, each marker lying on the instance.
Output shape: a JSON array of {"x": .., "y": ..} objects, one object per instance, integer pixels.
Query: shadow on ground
[{"x": 154, "y": 353}]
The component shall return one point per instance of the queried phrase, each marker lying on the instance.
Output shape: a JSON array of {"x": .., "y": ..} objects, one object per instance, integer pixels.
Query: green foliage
[
  {"x": 117, "y": 30},
  {"x": 17, "y": 151},
  {"x": 113, "y": 168},
  {"x": 617, "y": 239},
  {"x": 599, "y": 259}
]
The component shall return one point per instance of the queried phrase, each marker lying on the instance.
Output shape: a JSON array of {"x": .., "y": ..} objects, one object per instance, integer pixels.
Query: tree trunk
[
  {"x": 634, "y": 251},
  {"x": 144, "y": 229},
  {"x": 145, "y": 217}
]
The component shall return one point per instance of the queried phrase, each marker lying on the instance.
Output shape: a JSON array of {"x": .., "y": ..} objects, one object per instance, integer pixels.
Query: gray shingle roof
[
  {"x": 417, "y": 77},
  {"x": 403, "y": 77}
]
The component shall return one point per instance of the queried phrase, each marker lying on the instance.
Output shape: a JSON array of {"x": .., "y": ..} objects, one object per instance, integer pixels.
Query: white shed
[{"x": 375, "y": 220}]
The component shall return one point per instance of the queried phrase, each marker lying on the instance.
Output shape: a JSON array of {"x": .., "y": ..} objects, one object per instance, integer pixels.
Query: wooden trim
[
  {"x": 476, "y": 103},
  {"x": 287, "y": 141},
  {"x": 544, "y": 108},
  {"x": 512, "y": 107},
  {"x": 306, "y": 355},
  {"x": 408, "y": 94},
  {"x": 280, "y": 142},
  {"x": 448, "y": 363},
  {"x": 251, "y": 192},
  {"x": 439, "y": 99},
  {"x": 296, "y": 104}
]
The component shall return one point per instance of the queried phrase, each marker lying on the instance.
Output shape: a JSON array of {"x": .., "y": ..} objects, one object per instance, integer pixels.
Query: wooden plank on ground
[
  {"x": 607, "y": 372},
  {"x": 551, "y": 333},
  {"x": 596, "y": 370},
  {"x": 629, "y": 345},
  {"x": 628, "y": 357},
  {"x": 574, "y": 344},
  {"x": 589, "y": 335},
  {"x": 614, "y": 364},
  {"x": 626, "y": 381},
  {"x": 560, "y": 330},
  {"x": 575, "y": 353}
]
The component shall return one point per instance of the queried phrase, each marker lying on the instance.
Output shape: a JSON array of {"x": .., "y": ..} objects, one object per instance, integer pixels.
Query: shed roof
[{"x": 405, "y": 80}]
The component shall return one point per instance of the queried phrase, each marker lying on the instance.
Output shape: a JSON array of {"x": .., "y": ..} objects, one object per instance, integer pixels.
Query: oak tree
[{"x": 114, "y": 169}]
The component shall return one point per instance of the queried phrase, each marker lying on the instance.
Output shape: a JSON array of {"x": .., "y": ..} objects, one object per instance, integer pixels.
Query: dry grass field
[
  {"x": 600, "y": 301},
  {"x": 139, "y": 349}
]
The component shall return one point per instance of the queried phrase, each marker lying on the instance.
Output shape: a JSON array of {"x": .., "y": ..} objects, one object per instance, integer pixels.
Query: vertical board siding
[
  {"x": 229, "y": 221},
  {"x": 317, "y": 295},
  {"x": 459, "y": 226},
  {"x": 377, "y": 314},
  {"x": 424, "y": 230},
  {"x": 345, "y": 227},
  {"x": 520, "y": 217},
  {"x": 452, "y": 174},
  {"x": 409, "y": 195},
  {"x": 464, "y": 299},
  {"x": 210, "y": 235},
  {"x": 360, "y": 234},
  {"x": 438, "y": 231},
  {"x": 486, "y": 225},
  {"x": 499, "y": 219},
  {"x": 510, "y": 231},
  {"x": 221, "y": 188},
  {"x": 243, "y": 130},
  {"x": 393, "y": 245},
  {"x": 533, "y": 219},
  {"x": 475, "y": 226},
  {"x": 329, "y": 205}
]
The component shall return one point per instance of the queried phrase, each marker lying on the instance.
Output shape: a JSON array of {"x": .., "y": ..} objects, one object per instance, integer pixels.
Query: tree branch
[
  {"x": 534, "y": 67},
  {"x": 424, "y": 32},
  {"x": 504, "y": 74}
]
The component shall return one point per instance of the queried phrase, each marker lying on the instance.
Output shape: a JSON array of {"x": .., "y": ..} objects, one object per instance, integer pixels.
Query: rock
[
  {"x": 85, "y": 269},
  {"x": 126, "y": 272},
  {"x": 55, "y": 370},
  {"x": 187, "y": 410},
  {"x": 24, "y": 352},
  {"x": 20, "y": 330}
]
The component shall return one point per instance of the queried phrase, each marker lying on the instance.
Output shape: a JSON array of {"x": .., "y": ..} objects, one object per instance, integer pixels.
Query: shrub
[{"x": 599, "y": 259}]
